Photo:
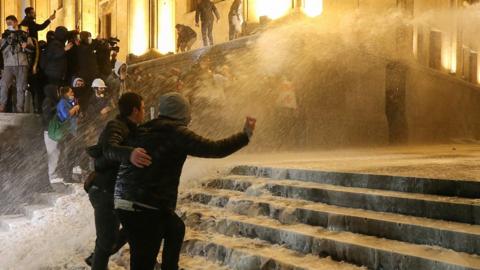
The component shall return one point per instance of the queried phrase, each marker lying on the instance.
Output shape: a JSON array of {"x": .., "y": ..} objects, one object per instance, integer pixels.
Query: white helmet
[{"x": 98, "y": 83}]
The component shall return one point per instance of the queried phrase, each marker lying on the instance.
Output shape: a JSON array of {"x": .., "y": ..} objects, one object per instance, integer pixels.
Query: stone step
[
  {"x": 420, "y": 205},
  {"x": 10, "y": 222},
  {"x": 245, "y": 253},
  {"x": 23, "y": 213},
  {"x": 457, "y": 236},
  {"x": 444, "y": 187},
  {"x": 199, "y": 263},
  {"x": 58, "y": 190},
  {"x": 361, "y": 250},
  {"x": 29, "y": 210}
]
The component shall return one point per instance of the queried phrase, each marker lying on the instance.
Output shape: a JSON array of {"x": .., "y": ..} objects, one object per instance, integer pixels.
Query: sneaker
[
  {"x": 77, "y": 170},
  {"x": 56, "y": 180}
]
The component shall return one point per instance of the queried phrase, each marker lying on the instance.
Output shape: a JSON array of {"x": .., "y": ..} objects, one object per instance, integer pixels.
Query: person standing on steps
[
  {"x": 206, "y": 13},
  {"x": 107, "y": 154},
  {"x": 15, "y": 45},
  {"x": 235, "y": 20},
  {"x": 145, "y": 199},
  {"x": 30, "y": 22}
]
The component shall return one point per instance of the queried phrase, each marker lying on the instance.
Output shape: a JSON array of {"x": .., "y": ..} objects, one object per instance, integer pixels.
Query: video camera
[
  {"x": 15, "y": 38},
  {"x": 113, "y": 44}
]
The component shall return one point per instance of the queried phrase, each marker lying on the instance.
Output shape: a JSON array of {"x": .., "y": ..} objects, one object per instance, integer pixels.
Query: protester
[
  {"x": 82, "y": 93},
  {"x": 186, "y": 38},
  {"x": 72, "y": 56},
  {"x": 146, "y": 198},
  {"x": 235, "y": 19},
  {"x": 99, "y": 103},
  {"x": 109, "y": 236},
  {"x": 116, "y": 81},
  {"x": 205, "y": 13},
  {"x": 49, "y": 104},
  {"x": 14, "y": 46},
  {"x": 56, "y": 62},
  {"x": 67, "y": 113},
  {"x": 86, "y": 58},
  {"x": 33, "y": 27}
]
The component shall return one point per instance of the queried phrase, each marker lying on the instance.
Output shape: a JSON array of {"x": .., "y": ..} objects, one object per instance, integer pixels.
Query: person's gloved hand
[
  {"x": 249, "y": 126},
  {"x": 140, "y": 158}
]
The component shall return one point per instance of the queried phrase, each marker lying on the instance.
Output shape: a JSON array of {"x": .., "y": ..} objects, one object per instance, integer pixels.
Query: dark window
[{"x": 108, "y": 25}]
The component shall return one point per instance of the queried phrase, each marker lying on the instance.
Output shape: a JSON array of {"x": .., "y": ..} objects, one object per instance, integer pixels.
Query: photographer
[
  {"x": 14, "y": 46},
  {"x": 104, "y": 48},
  {"x": 86, "y": 58}
]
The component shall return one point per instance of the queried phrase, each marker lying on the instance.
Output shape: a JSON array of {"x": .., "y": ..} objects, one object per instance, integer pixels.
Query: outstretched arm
[{"x": 201, "y": 147}]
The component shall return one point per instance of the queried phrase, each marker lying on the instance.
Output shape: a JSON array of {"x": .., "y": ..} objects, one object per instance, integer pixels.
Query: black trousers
[
  {"x": 207, "y": 33},
  {"x": 145, "y": 230},
  {"x": 110, "y": 238}
]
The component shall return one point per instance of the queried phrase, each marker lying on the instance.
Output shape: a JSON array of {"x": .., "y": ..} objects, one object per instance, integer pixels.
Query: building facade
[{"x": 144, "y": 25}]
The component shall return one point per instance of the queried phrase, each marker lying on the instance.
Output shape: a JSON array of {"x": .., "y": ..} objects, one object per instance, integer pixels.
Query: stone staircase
[
  {"x": 23, "y": 213},
  {"x": 275, "y": 218}
]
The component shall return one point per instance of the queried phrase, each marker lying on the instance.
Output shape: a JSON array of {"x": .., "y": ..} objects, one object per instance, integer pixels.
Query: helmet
[{"x": 98, "y": 83}]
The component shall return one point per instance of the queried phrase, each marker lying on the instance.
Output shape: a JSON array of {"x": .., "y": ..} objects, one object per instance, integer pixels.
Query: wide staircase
[
  {"x": 276, "y": 218},
  {"x": 23, "y": 213}
]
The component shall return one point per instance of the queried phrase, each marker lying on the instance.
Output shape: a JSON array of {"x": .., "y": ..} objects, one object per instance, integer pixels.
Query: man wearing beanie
[{"x": 145, "y": 199}]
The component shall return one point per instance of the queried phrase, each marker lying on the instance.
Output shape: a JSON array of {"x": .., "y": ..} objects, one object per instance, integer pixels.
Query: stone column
[{"x": 89, "y": 21}]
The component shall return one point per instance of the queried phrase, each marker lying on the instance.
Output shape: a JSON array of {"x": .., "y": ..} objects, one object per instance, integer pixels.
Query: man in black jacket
[
  {"x": 33, "y": 27},
  {"x": 56, "y": 64},
  {"x": 87, "y": 59},
  {"x": 146, "y": 198},
  {"x": 205, "y": 11},
  {"x": 109, "y": 238}
]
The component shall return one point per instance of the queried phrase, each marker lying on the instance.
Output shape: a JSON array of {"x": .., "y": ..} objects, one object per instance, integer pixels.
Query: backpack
[{"x": 57, "y": 129}]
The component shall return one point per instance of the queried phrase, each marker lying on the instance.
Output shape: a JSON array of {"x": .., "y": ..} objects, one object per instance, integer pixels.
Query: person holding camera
[{"x": 14, "y": 46}]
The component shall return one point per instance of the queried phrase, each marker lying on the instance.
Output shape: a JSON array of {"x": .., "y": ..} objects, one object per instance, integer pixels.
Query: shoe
[
  {"x": 89, "y": 260},
  {"x": 56, "y": 180}
]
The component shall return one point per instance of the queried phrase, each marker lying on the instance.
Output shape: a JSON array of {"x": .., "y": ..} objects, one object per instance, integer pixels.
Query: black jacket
[
  {"x": 109, "y": 152},
  {"x": 87, "y": 62},
  {"x": 56, "y": 67},
  {"x": 168, "y": 143},
  {"x": 34, "y": 27},
  {"x": 205, "y": 11}
]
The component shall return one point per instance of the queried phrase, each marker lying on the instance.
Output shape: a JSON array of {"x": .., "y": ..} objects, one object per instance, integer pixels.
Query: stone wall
[
  {"x": 23, "y": 159},
  {"x": 343, "y": 108}
]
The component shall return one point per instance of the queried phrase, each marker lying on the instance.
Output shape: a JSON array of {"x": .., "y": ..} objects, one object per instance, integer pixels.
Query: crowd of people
[{"x": 71, "y": 79}]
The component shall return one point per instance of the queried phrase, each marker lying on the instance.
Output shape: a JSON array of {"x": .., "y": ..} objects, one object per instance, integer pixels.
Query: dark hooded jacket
[
  {"x": 110, "y": 142},
  {"x": 168, "y": 141},
  {"x": 56, "y": 66},
  {"x": 33, "y": 26},
  {"x": 87, "y": 60}
]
